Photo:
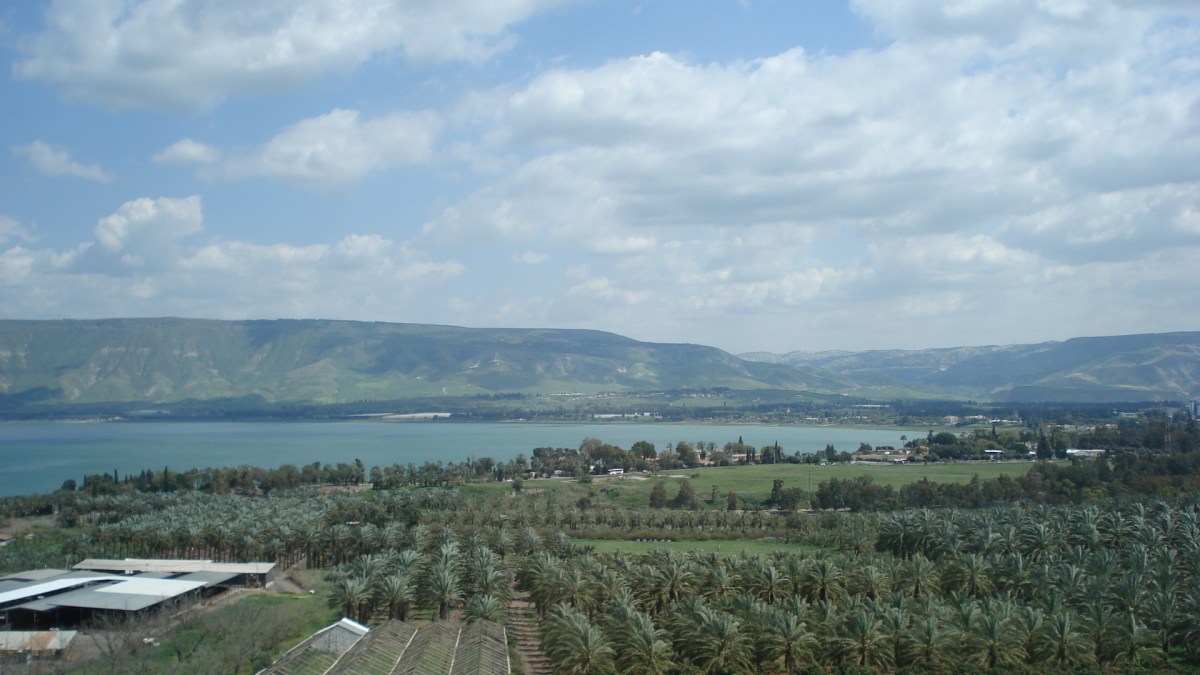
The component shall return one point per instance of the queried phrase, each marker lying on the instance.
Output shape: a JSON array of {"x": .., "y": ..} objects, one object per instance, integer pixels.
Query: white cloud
[
  {"x": 56, "y": 161},
  {"x": 188, "y": 151},
  {"x": 980, "y": 169},
  {"x": 195, "y": 53},
  {"x": 623, "y": 245},
  {"x": 336, "y": 148},
  {"x": 605, "y": 291},
  {"x": 142, "y": 235},
  {"x": 150, "y": 220},
  {"x": 144, "y": 261},
  {"x": 11, "y": 229},
  {"x": 997, "y": 167},
  {"x": 529, "y": 258},
  {"x": 1121, "y": 225}
]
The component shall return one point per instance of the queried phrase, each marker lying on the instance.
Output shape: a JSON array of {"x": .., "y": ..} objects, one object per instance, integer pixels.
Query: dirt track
[{"x": 522, "y": 627}]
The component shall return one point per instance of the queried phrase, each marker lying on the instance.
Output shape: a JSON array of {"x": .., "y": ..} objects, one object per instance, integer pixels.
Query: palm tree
[
  {"x": 644, "y": 651},
  {"x": 718, "y": 582},
  {"x": 443, "y": 588},
  {"x": 528, "y": 541},
  {"x": 397, "y": 591},
  {"x": 921, "y": 575},
  {"x": 669, "y": 583},
  {"x": 1063, "y": 641},
  {"x": 994, "y": 640},
  {"x": 963, "y": 617},
  {"x": 1164, "y": 615},
  {"x": 862, "y": 642},
  {"x": 769, "y": 585},
  {"x": 502, "y": 542},
  {"x": 788, "y": 640},
  {"x": 929, "y": 643},
  {"x": 1103, "y": 627},
  {"x": 351, "y": 594},
  {"x": 409, "y": 560},
  {"x": 538, "y": 574},
  {"x": 894, "y": 622},
  {"x": 1128, "y": 593},
  {"x": 897, "y": 534},
  {"x": 574, "y": 645},
  {"x": 1037, "y": 540},
  {"x": 715, "y": 644},
  {"x": 336, "y": 537},
  {"x": 577, "y": 589},
  {"x": 971, "y": 573},
  {"x": 486, "y": 574},
  {"x": 869, "y": 580},
  {"x": 1135, "y": 642},
  {"x": 485, "y": 608},
  {"x": 822, "y": 581}
]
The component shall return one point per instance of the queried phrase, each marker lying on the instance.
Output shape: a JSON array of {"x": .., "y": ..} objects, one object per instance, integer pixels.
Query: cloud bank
[
  {"x": 196, "y": 53},
  {"x": 986, "y": 172}
]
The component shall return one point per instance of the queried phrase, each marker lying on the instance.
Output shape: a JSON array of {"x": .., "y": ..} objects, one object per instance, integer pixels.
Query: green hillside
[
  {"x": 309, "y": 361},
  {"x": 164, "y": 360},
  {"x": 1120, "y": 368}
]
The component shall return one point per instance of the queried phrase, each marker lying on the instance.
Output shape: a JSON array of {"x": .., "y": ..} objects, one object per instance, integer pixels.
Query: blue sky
[{"x": 751, "y": 175}]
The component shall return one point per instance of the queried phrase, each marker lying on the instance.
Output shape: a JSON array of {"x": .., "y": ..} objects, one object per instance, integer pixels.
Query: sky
[{"x": 763, "y": 175}]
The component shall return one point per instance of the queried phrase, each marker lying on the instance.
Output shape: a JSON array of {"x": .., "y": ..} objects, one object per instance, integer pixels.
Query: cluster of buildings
[{"x": 39, "y": 609}]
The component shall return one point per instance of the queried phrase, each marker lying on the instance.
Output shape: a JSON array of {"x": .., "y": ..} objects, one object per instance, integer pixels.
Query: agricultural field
[
  {"x": 757, "y": 480},
  {"x": 1039, "y": 567}
]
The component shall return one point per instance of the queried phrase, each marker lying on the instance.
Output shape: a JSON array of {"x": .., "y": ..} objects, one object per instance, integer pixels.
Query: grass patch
[
  {"x": 756, "y": 480},
  {"x": 241, "y": 637},
  {"x": 527, "y": 487}
]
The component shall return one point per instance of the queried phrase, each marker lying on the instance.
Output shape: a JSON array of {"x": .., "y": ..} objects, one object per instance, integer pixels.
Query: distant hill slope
[
  {"x": 164, "y": 360},
  {"x": 1128, "y": 368},
  {"x": 167, "y": 360}
]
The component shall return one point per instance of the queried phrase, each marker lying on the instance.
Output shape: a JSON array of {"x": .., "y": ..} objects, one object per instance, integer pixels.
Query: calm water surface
[{"x": 38, "y": 457}]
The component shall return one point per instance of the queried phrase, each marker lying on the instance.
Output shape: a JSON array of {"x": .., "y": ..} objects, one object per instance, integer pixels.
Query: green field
[
  {"x": 709, "y": 546},
  {"x": 757, "y": 480},
  {"x": 633, "y": 490}
]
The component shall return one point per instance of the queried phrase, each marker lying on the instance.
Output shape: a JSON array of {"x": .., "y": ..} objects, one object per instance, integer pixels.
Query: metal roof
[
  {"x": 6, "y": 585},
  {"x": 439, "y": 648},
  {"x": 130, "y": 595},
  {"x": 35, "y": 641},
  {"x": 129, "y": 565},
  {"x": 121, "y": 593},
  {"x": 86, "y": 598},
  {"x": 379, "y": 651},
  {"x": 33, "y": 575},
  {"x": 53, "y": 586},
  {"x": 482, "y": 650},
  {"x": 208, "y": 578},
  {"x": 317, "y": 654},
  {"x": 157, "y": 588}
]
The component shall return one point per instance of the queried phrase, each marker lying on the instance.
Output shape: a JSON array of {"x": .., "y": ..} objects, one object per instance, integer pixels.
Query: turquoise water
[{"x": 38, "y": 457}]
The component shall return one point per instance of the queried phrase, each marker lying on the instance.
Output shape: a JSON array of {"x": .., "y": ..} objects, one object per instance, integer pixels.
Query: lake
[{"x": 38, "y": 457}]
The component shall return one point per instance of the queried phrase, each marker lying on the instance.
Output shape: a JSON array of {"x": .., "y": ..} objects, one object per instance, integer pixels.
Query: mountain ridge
[
  {"x": 327, "y": 361},
  {"x": 163, "y": 360},
  {"x": 1137, "y": 367}
]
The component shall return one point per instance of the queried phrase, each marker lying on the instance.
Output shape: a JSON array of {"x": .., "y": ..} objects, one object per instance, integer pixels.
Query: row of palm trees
[
  {"x": 385, "y": 585},
  {"x": 542, "y": 511},
  {"x": 319, "y": 530},
  {"x": 1112, "y": 585},
  {"x": 739, "y": 631},
  {"x": 1041, "y": 530},
  {"x": 1128, "y": 597}
]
